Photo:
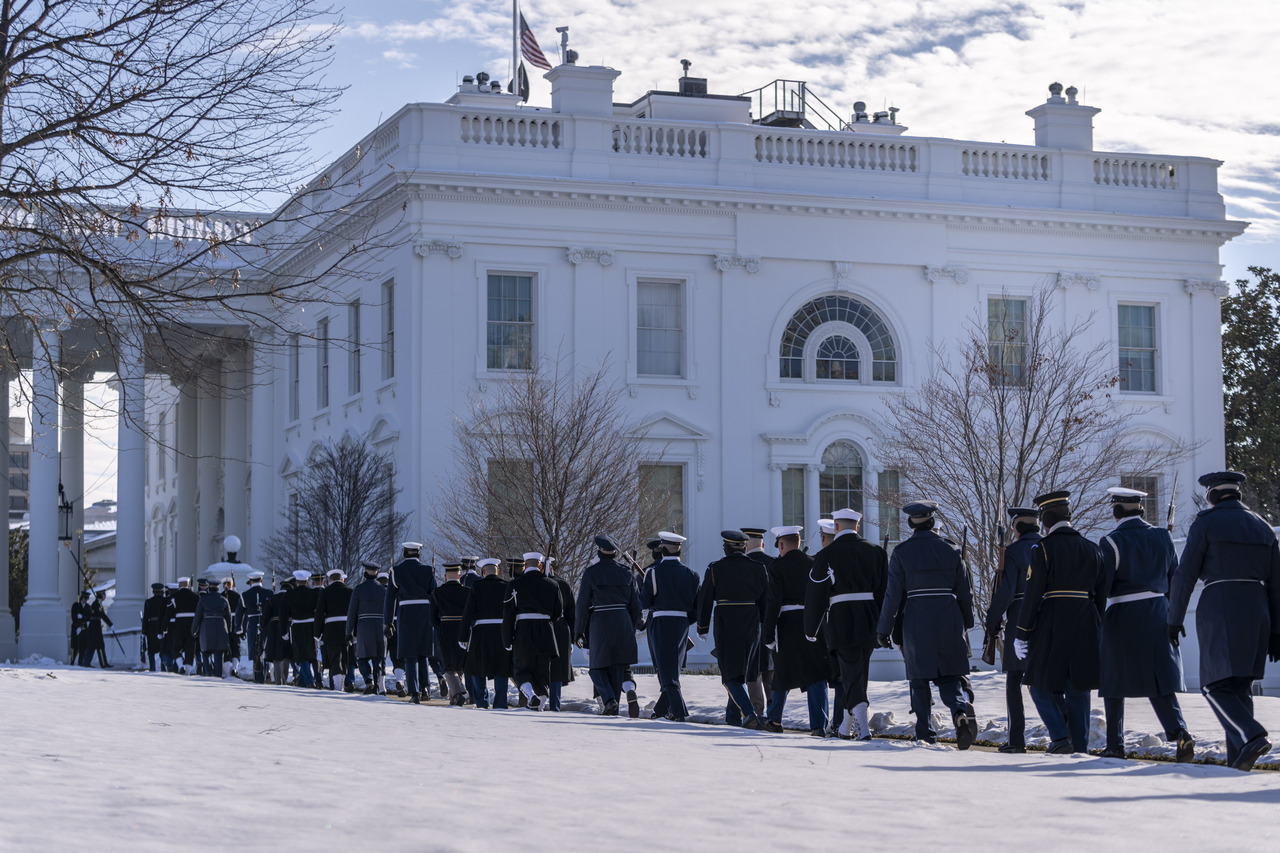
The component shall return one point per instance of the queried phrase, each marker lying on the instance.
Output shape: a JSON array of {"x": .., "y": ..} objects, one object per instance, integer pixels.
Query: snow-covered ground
[{"x": 114, "y": 760}]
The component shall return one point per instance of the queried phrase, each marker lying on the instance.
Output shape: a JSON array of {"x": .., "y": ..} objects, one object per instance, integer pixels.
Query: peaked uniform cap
[
  {"x": 1022, "y": 512},
  {"x": 669, "y": 537},
  {"x": 533, "y": 555},
  {"x": 736, "y": 537},
  {"x": 256, "y": 576},
  {"x": 653, "y": 543},
  {"x": 301, "y": 575},
  {"x": 753, "y": 532},
  {"x": 1223, "y": 479},
  {"x": 336, "y": 573},
  {"x": 156, "y": 587},
  {"x": 1050, "y": 499},
  {"x": 920, "y": 509},
  {"x": 488, "y": 561},
  {"x": 846, "y": 514},
  {"x": 786, "y": 530},
  {"x": 606, "y": 545},
  {"x": 367, "y": 566}
]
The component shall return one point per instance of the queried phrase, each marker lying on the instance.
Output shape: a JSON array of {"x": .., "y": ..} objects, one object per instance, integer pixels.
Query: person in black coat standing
[
  {"x": 332, "y": 605},
  {"x": 736, "y": 589},
  {"x": 1234, "y": 552},
  {"x": 1059, "y": 625},
  {"x": 797, "y": 663},
  {"x": 669, "y": 603},
  {"x": 233, "y": 638},
  {"x": 154, "y": 615},
  {"x": 446, "y": 617},
  {"x": 480, "y": 632},
  {"x": 212, "y": 624},
  {"x": 761, "y": 687},
  {"x": 608, "y": 612},
  {"x": 1137, "y": 658},
  {"x": 184, "y": 610},
  {"x": 929, "y": 585},
  {"x": 528, "y": 613},
  {"x": 562, "y": 668},
  {"x": 411, "y": 587},
  {"x": 364, "y": 625},
  {"x": 1006, "y": 603},
  {"x": 846, "y": 588},
  {"x": 298, "y": 618},
  {"x": 249, "y": 624}
]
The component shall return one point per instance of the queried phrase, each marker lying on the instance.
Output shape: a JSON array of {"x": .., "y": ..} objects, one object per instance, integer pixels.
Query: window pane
[
  {"x": 793, "y": 496},
  {"x": 1151, "y": 504},
  {"x": 662, "y": 504},
  {"x": 509, "y": 336},
  {"x": 890, "y": 500},
  {"x": 1136, "y": 334},
  {"x": 845, "y": 309},
  {"x": 840, "y": 482},
  {"x": 659, "y": 328},
  {"x": 837, "y": 358}
]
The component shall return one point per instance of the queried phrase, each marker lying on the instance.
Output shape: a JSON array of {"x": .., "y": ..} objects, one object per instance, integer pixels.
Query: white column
[
  {"x": 43, "y": 618},
  {"x": 812, "y": 510},
  {"x": 263, "y": 415},
  {"x": 235, "y": 448},
  {"x": 8, "y": 629},
  {"x": 131, "y": 444},
  {"x": 71, "y": 476},
  {"x": 208, "y": 467},
  {"x": 185, "y": 463}
]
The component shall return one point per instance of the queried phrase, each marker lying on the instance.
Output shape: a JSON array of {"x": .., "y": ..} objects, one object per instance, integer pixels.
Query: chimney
[
  {"x": 1063, "y": 122},
  {"x": 582, "y": 90}
]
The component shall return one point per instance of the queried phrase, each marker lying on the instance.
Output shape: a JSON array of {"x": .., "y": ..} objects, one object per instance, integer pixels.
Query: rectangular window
[
  {"x": 322, "y": 363},
  {"x": 509, "y": 338},
  {"x": 295, "y": 375},
  {"x": 18, "y": 503},
  {"x": 388, "y": 330},
  {"x": 793, "y": 496},
  {"x": 353, "y": 341},
  {"x": 662, "y": 499},
  {"x": 1007, "y": 340},
  {"x": 1152, "y": 510},
  {"x": 19, "y": 460},
  {"x": 510, "y": 503},
  {"x": 659, "y": 328},
  {"x": 1136, "y": 333},
  {"x": 890, "y": 499},
  {"x": 20, "y": 482}
]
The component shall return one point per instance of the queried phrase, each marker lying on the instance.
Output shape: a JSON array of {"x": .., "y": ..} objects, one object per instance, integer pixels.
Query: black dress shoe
[
  {"x": 415, "y": 698},
  {"x": 752, "y": 723},
  {"x": 771, "y": 726},
  {"x": 610, "y": 708},
  {"x": 966, "y": 728},
  {"x": 1113, "y": 752},
  {"x": 1186, "y": 747},
  {"x": 1251, "y": 752},
  {"x": 1060, "y": 747},
  {"x": 822, "y": 733},
  {"x": 633, "y": 705},
  {"x": 1011, "y": 749},
  {"x": 535, "y": 702},
  {"x": 400, "y": 690},
  {"x": 370, "y": 689}
]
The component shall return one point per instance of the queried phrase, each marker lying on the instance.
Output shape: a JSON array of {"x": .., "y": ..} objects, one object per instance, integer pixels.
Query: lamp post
[{"x": 66, "y": 516}]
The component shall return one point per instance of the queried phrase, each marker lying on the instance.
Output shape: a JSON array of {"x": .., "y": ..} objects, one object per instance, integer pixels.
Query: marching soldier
[
  {"x": 298, "y": 618},
  {"x": 1006, "y": 602},
  {"x": 248, "y": 622},
  {"x": 332, "y": 605},
  {"x": 737, "y": 587},
  {"x": 365, "y": 612},
  {"x": 608, "y": 610},
  {"x": 450, "y": 600},
  {"x": 1136, "y": 656},
  {"x": 1234, "y": 552},
  {"x": 79, "y": 624},
  {"x": 480, "y": 631},
  {"x": 167, "y": 653},
  {"x": 409, "y": 594},
  {"x": 533, "y": 605},
  {"x": 1059, "y": 625},
  {"x": 562, "y": 667},
  {"x": 233, "y": 640},
  {"x": 846, "y": 586},
  {"x": 202, "y": 589},
  {"x": 92, "y": 637},
  {"x": 798, "y": 663},
  {"x": 470, "y": 573},
  {"x": 275, "y": 648},
  {"x": 212, "y": 624},
  {"x": 927, "y": 574},
  {"x": 397, "y": 662},
  {"x": 184, "y": 610},
  {"x": 669, "y": 599},
  {"x": 154, "y": 617},
  {"x": 761, "y": 689}
]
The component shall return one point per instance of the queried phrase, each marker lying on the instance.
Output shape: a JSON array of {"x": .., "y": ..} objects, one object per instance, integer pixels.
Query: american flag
[{"x": 529, "y": 46}]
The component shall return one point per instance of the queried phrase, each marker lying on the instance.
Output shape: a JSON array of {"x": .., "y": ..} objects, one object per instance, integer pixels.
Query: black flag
[{"x": 523, "y": 84}]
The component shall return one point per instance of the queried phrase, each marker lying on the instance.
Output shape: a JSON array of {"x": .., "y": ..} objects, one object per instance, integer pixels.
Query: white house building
[{"x": 757, "y": 285}]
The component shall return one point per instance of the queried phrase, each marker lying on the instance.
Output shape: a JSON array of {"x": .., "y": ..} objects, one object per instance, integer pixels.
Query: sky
[{"x": 1173, "y": 77}]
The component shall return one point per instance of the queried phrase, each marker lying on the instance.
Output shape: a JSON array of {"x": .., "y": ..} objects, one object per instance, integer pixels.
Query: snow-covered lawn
[{"x": 115, "y": 760}]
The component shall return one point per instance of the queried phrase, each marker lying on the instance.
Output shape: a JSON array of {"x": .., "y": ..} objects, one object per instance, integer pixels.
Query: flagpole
[{"x": 515, "y": 43}]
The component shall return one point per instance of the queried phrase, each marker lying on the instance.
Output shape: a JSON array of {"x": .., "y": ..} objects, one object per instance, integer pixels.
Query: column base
[
  {"x": 8, "y": 638},
  {"x": 44, "y": 630}
]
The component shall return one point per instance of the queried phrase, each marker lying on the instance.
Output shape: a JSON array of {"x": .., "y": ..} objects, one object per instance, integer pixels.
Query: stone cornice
[
  {"x": 423, "y": 248},
  {"x": 1209, "y": 286}
]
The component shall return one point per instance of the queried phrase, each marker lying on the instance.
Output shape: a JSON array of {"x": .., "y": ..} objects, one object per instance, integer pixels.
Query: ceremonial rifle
[
  {"x": 1172, "y": 506},
  {"x": 991, "y": 641}
]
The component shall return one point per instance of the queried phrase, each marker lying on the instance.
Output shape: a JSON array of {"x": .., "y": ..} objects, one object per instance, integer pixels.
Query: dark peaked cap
[
  {"x": 921, "y": 509},
  {"x": 1222, "y": 479},
  {"x": 1052, "y": 499},
  {"x": 1022, "y": 512},
  {"x": 605, "y": 545},
  {"x": 734, "y": 536}
]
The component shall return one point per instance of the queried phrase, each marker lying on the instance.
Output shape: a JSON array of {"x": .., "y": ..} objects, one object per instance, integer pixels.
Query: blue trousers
[
  {"x": 667, "y": 636},
  {"x": 1232, "y": 704},
  {"x": 607, "y": 681},
  {"x": 1065, "y": 715},
  {"x": 306, "y": 677},
  {"x": 415, "y": 675},
  {"x": 1168, "y": 712},
  {"x": 816, "y": 694},
  {"x": 953, "y": 694},
  {"x": 553, "y": 695},
  {"x": 739, "y": 707}
]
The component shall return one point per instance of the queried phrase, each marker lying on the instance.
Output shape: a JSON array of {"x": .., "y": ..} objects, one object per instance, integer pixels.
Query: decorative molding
[
  {"x": 1198, "y": 285},
  {"x": 482, "y": 386},
  {"x": 750, "y": 263},
  {"x": 633, "y": 390},
  {"x": 958, "y": 273},
  {"x": 776, "y": 466},
  {"x": 577, "y": 255},
  {"x": 775, "y": 399},
  {"x": 1079, "y": 279},
  {"x": 423, "y": 248},
  {"x": 844, "y": 274},
  {"x": 702, "y": 463},
  {"x": 692, "y": 391}
]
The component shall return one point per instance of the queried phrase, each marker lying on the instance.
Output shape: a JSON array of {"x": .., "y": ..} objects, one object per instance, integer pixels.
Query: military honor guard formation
[{"x": 1076, "y": 616}]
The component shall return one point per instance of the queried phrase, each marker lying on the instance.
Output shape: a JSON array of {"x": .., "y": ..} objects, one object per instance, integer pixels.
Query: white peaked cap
[
  {"x": 184, "y": 580},
  {"x": 826, "y": 525},
  {"x": 256, "y": 576},
  {"x": 673, "y": 538},
  {"x": 301, "y": 575},
  {"x": 846, "y": 514},
  {"x": 415, "y": 546},
  {"x": 335, "y": 573},
  {"x": 534, "y": 555},
  {"x": 384, "y": 574},
  {"x": 488, "y": 561},
  {"x": 171, "y": 586},
  {"x": 1121, "y": 492},
  {"x": 786, "y": 530}
]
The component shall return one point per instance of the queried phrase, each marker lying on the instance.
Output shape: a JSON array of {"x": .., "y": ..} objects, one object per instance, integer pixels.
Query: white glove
[
  {"x": 773, "y": 647},
  {"x": 462, "y": 645},
  {"x": 811, "y": 639},
  {"x": 1020, "y": 648}
]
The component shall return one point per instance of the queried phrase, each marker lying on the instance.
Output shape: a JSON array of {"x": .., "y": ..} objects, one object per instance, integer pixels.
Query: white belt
[
  {"x": 184, "y": 615},
  {"x": 684, "y": 614},
  {"x": 416, "y": 601},
  {"x": 787, "y": 608},
  {"x": 487, "y": 622},
  {"x": 1133, "y": 596},
  {"x": 853, "y": 596},
  {"x": 928, "y": 591},
  {"x": 1234, "y": 580},
  {"x": 300, "y": 621},
  {"x": 335, "y": 619},
  {"x": 520, "y": 617}
]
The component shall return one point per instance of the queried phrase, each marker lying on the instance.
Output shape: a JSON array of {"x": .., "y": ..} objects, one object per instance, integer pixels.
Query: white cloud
[{"x": 401, "y": 58}]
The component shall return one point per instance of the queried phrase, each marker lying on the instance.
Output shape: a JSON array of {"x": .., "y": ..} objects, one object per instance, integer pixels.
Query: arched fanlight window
[
  {"x": 850, "y": 312},
  {"x": 840, "y": 482},
  {"x": 837, "y": 358}
]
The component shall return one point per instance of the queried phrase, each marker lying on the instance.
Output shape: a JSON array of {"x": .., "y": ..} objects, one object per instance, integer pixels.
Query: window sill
[{"x": 635, "y": 383}]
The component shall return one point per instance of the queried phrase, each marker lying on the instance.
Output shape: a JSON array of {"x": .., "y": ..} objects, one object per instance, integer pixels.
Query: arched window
[
  {"x": 837, "y": 358},
  {"x": 850, "y": 313},
  {"x": 840, "y": 482}
]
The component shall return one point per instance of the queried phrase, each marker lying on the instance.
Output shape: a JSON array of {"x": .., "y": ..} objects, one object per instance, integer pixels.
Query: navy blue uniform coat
[
  {"x": 487, "y": 655},
  {"x": 608, "y": 612},
  {"x": 1006, "y": 600},
  {"x": 409, "y": 605},
  {"x": 364, "y": 619},
  {"x": 738, "y": 589},
  {"x": 798, "y": 662},
  {"x": 928, "y": 576},
  {"x": 450, "y": 600},
  {"x": 669, "y": 587},
  {"x": 212, "y": 622}
]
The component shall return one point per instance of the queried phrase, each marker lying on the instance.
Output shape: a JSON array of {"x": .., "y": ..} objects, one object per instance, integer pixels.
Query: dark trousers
[
  {"x": 553, "y": 695},
  {"x": 306, "y": 675},
  {"x": 1065, "y": 715},
  {"x": 1168, "y": 712},
  {"x": 415, "y": 675},
  {"x": 739, "y": 707},
  {"x": 153, "y": 650},
  {"x": 1017, "y": 711},
  {"x": 953, "y": 690},
  {"x": 335, "y": 658},
  {"x": 608, "y": 682},
  {"x": 855, "y": 664},
  {"x": 1232, "y": 704},
  {"x": 815, "y": 693},
  {"x": 534, "y": 670}
]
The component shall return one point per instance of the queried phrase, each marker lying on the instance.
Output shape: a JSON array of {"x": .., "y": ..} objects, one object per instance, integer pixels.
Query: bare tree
[
  {"x": 1019, "y": 407},
  {"x": 544, "y": 462},
  {"x": 133, "y": 133},
  {"x": 344, "y": 512}
]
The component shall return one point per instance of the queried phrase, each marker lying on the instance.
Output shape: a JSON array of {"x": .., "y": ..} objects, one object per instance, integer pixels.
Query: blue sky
[{"x": 1177, "y": 77}]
